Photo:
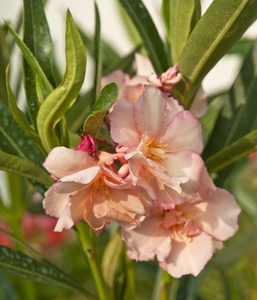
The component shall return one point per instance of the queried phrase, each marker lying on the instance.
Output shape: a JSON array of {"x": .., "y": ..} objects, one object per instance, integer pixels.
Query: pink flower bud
[{"x": 87, "y": 144}]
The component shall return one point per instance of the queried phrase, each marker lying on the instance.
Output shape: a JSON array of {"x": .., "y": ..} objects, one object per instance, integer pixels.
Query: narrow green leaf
[
  {"x": 7, "y": 290},
  {"x": 242, "y": 47},
  {"x": 153, "y": 44},
  {"x": 19, "y": 116},
  {"x": 233, "y": 152},
  {"x": 238, "y": 116},
  {"x": 107, "y": 53},
  {"x": 15, "y": 141},
  {"x": 63, "y": 97},
  {"x": 182, "y": 21},
  {"x": 105, "y": 101},
  {"x": 3, "y": 64},
  {"x": 97, "y": 54},
  {"x": 218, "y": 30},
  {"x": 30, "y": 58},
  {"x": 37, "y": 38},
  {"x": 20, "y": 264},
  {"x": 37, "y": 35},
  {"x": 124, "y": 63},
  {"x": 231, "y": 253},
  {"x": 166, "y": 15},
  {"x": 23, "y": 167},
  {"x": 80, "y": 110},
  {"x": 110, "y": 258}
]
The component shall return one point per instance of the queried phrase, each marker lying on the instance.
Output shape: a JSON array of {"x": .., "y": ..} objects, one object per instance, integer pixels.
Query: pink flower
[
  {"x": 167, "y": 80},
  {"x": 38, "y": 231},
  {"x": 131, "y": 88},
  {"x": 163, "y": 145},
  {"x": 87, "y": 189},
  {"x": 184, "y": 239}
]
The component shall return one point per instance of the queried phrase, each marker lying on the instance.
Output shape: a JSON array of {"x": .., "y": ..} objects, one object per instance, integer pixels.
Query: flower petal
[
  {"x": 117, "y": 76},
  {"x": 54, "y": 203},
  {"x": 123, "y": 129},
  {"x": 200, "y": 105},
  {"x": 143, "y": 65},
  {"x": 62, "y": 161},
  {"x": 123, "y": 205},
  {"x": 150, "y": 111},
  {"x": 188, "y": 256},
  {"x": 185, "y": 164},
  {"x": 85, "y": 176},
  {"x": 67, "y": 187},
  {"x": 183, "y": 133},
  {"x": 144, "y": 242},
  {"x": 216, "y": 215},
  {"x": 73, "y": 211}
]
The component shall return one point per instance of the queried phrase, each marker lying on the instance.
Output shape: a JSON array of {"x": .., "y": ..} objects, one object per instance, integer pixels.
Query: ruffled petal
[
  {"x": 144, "y": 242},
  {"x": 150, "y": 111},
  {"x": 215, "y": 210},
  {"x": 123, "y": 205},
  {"x": 67, "y": 187},
  {"x": 117, "y": 76},
  {"x": 132, "y": 91},
  {"x": 200, "y": 105},
  {"x": 217, "y": 215},
  {"x": 123, "y": 129},
  {"x": 54, "y": 203},
  {"x": 62, "y": 161},
  {"x": 188, "y": 256},
  {"x": 84, "y": 177},
  {"x": 185, "y": 164},
  {"x": 183, "y": 133},
  {"x": 143, "y": 65},
  {"x": 74, "y": 210}
]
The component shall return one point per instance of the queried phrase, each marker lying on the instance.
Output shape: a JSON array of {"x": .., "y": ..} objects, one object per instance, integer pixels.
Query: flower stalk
[{"x": 88, "y": 245}]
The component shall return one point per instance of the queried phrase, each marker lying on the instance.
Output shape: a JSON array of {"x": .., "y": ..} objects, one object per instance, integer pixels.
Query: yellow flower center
[{"x": 155, "y": 152}]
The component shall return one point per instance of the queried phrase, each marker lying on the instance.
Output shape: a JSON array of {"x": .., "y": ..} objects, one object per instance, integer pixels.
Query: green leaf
[
  {"x": 81, "y": 109},
  {"x": 19, "y": 116},
  {"x": 184, "y": 15},
  {"x": 30, "y": 58},
  {"x": 242, "y": 47},
  {"x": 37, "y": 38},
  {"x": 166, "y": 15},
  {"x": 63, "y": 97},
  {"x": 107, "y": 53},
  {"x": 15, "y": 141},
  {"x": 153, "y": 44},
  {"x": 97, "y": 54},
  {"x": 23, "y": 167},
  {"x": 238, "y": 116},
  {"x": 110, "y": 258},
  {"x": 37, "y": 35},
  {"x": 20, "y": 264},
  {"x": 234, "y": 251},
  {"x": 233, "y": 152},
  {"x": 105, "y": 101},
  {"x": 3, "y": 64},
  {"x": 217, "y": 31},
  {"x": 124, "y": 63}
]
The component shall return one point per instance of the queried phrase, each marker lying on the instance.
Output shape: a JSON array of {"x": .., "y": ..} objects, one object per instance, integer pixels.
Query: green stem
[
  {"x": 165, "y": 286},
  {"x": 130, "y": 292},
  {"x": 88, "y": 246}
]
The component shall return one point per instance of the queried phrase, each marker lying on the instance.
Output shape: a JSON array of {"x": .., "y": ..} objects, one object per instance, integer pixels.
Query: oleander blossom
[
  {"x": 184, "y": 239},
  {"x": 163, "y": 143},
  {"x": 131, "y": 88},
  {"x": 89, "y": 189}
]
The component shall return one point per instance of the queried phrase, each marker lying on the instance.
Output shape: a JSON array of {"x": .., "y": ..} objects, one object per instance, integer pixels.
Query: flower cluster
[{"x": 155, "y": 185}]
